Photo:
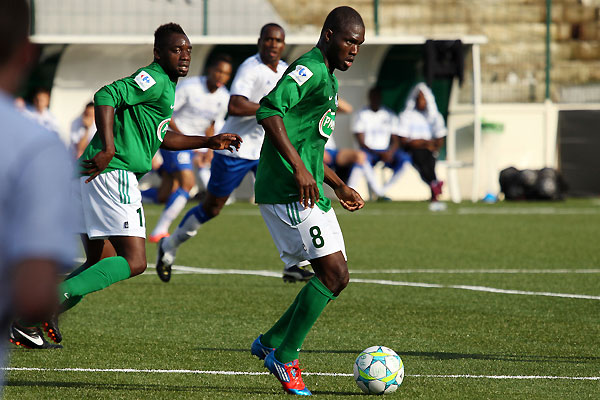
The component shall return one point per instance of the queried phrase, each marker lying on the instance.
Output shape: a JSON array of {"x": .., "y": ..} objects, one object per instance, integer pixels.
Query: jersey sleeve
[
  {"x": 403, "y": 127},
  {"x": 438, "y": 128},
  {"x": 181, "y": 96},
  {"x": 42, "y": 222},
  {"x": 129, "y": 91},
  {"x": 299, "y": 81},
  {"x": 244, "y": 81}
]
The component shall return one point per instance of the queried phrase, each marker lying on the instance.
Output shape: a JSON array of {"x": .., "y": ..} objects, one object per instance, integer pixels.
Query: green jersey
[
  {"x": 143, "y": 105},
  {"x": 306, "y": 98}
]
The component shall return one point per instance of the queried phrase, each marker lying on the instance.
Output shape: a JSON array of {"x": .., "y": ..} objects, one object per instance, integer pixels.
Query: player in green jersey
[
  {"x": 132, "y": 117},
  {"x": 299, "y": 117}
]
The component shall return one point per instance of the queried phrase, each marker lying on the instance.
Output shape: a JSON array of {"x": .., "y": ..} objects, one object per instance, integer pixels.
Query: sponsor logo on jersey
[
  {"x": 301, "y": 74},
  {"x": 162, "y": 129},
  {"x": 126, "y": 225},
  {"x": 144, "y": 80},
  {"x": 327, "y": 124}
]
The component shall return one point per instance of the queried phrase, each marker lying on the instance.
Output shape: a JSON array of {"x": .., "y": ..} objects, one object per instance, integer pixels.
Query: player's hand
[
  {"x": 94, "y": 166},
  {"x": 225, "y": 141},
  {"x": 349, "y": 198},
  {"x": 307, "y": 187}
]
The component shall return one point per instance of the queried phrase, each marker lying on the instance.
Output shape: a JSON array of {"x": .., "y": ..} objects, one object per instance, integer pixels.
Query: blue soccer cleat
[
  {"x": 259, "y": 350},
  {"x": 288, "y": 374}
]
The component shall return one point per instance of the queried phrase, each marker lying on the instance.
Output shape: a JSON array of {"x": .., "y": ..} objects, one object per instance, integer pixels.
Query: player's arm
[
  {"x": 240, "y": 106},
  {"x": 105, "y": 117},
  {"x": 224, "y": 141},
  {"x": 307, "y": 186},
  {"x": 388, "y": 155},
  {"x": 360, "y": 138},
  {"x": 349, "y": 198}
]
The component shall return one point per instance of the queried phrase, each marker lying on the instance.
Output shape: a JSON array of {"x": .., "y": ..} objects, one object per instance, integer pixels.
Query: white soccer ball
[{"x": 378, "y": 370}]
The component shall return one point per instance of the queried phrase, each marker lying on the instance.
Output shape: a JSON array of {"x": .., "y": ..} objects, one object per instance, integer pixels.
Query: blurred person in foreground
[
  {"x": 255, "y": 78},
  {"x": 200, "y": 109},
  {"x": 36, "y": 230},
  {"x": 422, "y": 131},
  {"x": 132, "y": 116},
  {"x": 299, "y": 116}
]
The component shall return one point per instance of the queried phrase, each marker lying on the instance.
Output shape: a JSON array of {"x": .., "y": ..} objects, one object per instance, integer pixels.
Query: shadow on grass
[
  {"x": 133, "y": 387},
  {"x": 441, "y": 355}
]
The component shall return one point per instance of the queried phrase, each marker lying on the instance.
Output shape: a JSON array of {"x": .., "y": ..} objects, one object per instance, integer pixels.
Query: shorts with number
[
  {"x": 174, "y": 161},
  {"x": 110, "y": 205},
  {"x": 302, "y": 234},
  {"x": 227, "y": 173}
]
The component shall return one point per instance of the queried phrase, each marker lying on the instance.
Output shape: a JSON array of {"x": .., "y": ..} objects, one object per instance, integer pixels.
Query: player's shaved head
[
  {"x": 14, "y": 27},
  {"x": 342, "y": 34},
  {"x": 341, "y": 18},
  {"x": 163, "y": 32}
]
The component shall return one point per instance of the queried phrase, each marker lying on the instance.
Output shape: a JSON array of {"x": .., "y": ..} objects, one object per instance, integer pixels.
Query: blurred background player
[
  {"x": 375, "y": 129},
  {"x": 40, "y": 112},
  {"x": 299, "y": 118},
  {"x": 36, "y": 233},
  {"x": 200, "y": 109},
  {"x": 422, "y": 131},
  {"x": 256, "y": 76},
  {"x": 83, "y": 129}
]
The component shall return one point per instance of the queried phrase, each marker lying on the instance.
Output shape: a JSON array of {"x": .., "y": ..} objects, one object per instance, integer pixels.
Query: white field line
[
  {"x": 265, "y": 273},
  {"x": 368, "y": 212},
  {"x": 476, "y": 271},
  {"x": 201, "y": 372}
]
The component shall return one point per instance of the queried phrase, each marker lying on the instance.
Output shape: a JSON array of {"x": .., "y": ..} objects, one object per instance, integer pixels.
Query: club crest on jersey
[
  {"x": 144, "y": 80},
  {"x": 301, "y": 74},
  {"x": 327, "y": 124},
  {"x": 161, "y": 131}
]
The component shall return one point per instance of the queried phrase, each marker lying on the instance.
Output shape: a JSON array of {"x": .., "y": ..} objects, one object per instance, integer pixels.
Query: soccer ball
[{"x": 378, "y": 370}]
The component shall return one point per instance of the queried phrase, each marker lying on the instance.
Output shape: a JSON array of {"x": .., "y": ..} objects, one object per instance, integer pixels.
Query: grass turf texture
[{"x": 207, "y": 322}]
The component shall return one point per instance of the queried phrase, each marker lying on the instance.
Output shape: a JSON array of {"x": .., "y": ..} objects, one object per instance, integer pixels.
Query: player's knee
[
  {"x": 212, "y": 210},
  {"x": 337, "y": 280},
  {"x": 361, "y": 157},
  {"x": 137, "y": 265}
]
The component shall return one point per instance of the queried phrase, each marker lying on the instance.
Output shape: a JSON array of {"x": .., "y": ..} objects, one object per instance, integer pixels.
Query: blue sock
[
  {"x": 198, "y": 212},
  {"x": 175, "y": 195}
]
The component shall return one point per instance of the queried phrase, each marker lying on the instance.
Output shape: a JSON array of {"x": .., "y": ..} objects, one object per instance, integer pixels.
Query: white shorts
[
  {"x": 302, "y": 234},
  {"x": 110, "y": 205}
]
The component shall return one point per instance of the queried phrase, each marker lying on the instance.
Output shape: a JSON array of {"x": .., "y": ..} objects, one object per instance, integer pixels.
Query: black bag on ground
[{"x": 544, "y": 184}]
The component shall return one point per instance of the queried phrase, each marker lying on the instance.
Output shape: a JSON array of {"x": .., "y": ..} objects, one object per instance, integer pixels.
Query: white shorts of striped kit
[
  {"x": 110, "y": 205},
  {"x": 302, "y": 233}
]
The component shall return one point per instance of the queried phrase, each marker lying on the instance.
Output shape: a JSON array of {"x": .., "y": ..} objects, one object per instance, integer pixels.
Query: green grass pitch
[{"x": 424, "y": 285}]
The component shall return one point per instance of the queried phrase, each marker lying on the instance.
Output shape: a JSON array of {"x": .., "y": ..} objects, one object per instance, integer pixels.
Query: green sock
[
  {"x": 100, "y": 275},
  {"x": 289, "y": 332}
]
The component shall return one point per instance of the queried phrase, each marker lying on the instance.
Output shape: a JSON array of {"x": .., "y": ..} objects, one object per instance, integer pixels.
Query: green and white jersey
[
  {"x": 143, "y": 105},
  {"x": 306, "y": 98}
]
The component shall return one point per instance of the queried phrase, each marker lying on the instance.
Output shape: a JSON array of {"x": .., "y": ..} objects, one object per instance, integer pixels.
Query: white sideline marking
[
  {"x": 476, "y": 289},
  {"x": 476, "y": 271},
  {"x": 200, "y": 372},
  {"x": 215, "y": 271}
]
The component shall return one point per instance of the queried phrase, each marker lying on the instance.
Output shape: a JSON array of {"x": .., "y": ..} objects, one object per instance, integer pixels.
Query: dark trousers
[{"x": 424, "y": 162}]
